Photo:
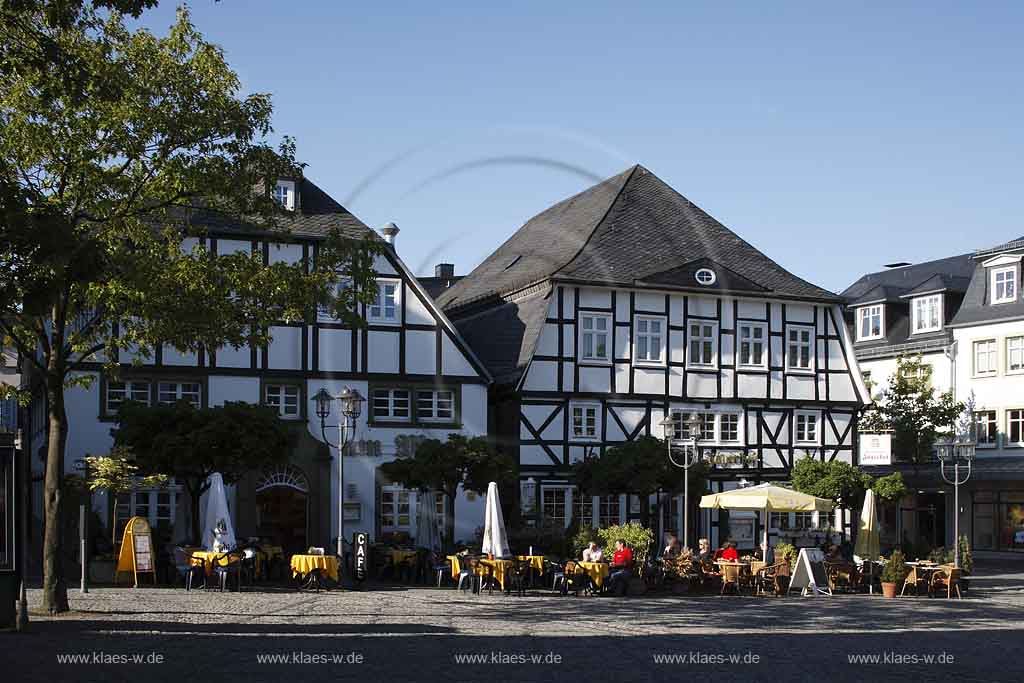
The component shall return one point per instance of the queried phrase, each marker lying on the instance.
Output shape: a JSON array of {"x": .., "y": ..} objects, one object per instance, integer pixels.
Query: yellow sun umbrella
[{"x": 766, "y": 498}]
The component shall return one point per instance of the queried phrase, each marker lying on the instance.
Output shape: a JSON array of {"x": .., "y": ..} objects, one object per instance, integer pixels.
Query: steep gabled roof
[
  {"x": 976, "y": 308},
  {"x": 316, "y": 214},
  {"x": 879, "y": 294},
  {"x": 619, "y": 233},
  {"x": 940, "y": 282}
]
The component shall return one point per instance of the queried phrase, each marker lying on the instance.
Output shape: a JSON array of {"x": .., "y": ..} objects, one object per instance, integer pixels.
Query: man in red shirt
[
  {"x": 621, "y": 568},
  {"x": 729, "y": 553}
]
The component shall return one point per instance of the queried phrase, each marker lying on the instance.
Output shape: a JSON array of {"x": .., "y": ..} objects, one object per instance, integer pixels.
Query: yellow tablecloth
[
  {"x": 597, "y": 571},
  {"x": 536, "y": 561},
  {"x": 495, "y": 567},
  {"x": 399, "y": 556},
  {"x": 303, "y": 564},
  {"x": 206, "y": 558}
]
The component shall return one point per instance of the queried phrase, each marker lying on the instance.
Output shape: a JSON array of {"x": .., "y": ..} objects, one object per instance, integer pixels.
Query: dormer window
[
  {"x": 869, "y": 322},
  {"x": 284, "y": 194},
  {"x": 927, "y": 313},
  {"x": 1004, "y": 285}
]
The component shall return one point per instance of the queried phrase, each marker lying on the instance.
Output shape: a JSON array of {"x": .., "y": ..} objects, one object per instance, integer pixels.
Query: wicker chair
[
  {"x": 916, "y": 579},
  {"x": 947, "y": 577},
  {"x": 769, "y": 579},
  {"x": 731, "y": 576}
]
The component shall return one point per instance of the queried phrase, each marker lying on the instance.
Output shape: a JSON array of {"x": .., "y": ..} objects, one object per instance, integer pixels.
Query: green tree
[
  {"x": 118, "y": 473},
  {"x": 467, "y": 462},
  {"x": 890, "y": 487},
  {"x": 116, "y": 146},
  {"x": 190, "y": 443},
  {"x": 835, "y": 480},
  {"x": 913, "y": 411}
]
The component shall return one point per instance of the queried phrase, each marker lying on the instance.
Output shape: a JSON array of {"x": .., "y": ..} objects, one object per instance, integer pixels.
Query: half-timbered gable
[
  {"x": 418, "y": 375},
  {"x": 627, "y": 303}
]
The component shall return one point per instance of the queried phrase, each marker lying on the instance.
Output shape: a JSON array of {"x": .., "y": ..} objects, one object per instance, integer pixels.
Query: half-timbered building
[
  {"x": 419, "y": 378},
  {"x": 627, "y": 303}
]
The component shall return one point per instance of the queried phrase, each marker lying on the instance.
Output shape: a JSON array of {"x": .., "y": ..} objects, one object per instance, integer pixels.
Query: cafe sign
[
  {"x": 876, "y": 449},
  {"x": 732, "y": 459},
  {"x": 361, "y": 545}
]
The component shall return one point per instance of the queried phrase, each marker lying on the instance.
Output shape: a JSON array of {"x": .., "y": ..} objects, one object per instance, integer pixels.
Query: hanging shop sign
[{"x": 876, "y": 449}]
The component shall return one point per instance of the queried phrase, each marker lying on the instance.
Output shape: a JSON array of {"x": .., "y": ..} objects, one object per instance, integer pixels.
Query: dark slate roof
[
  {"x": 879, "y": 293},
  {"x": 505, "y": 337},
  {"x": 976, "y": 308},
  {"x": 316, "y": 214},
  {"x": 436, "y": 285},
  {"x": 907, "y": 278},
  {"x": 940, "y": 282},
  {"x": 622, "y": 232}
]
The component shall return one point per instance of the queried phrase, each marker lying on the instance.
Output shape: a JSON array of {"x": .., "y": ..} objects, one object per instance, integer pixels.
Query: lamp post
[
  {"x": 956, "y": 451},
  {"x": 351, "y": 405},
  {"x": 694, "y": 423}
]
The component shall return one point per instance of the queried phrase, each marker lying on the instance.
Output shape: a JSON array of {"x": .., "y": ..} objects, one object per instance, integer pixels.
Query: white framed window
[
  {"x": 384, "y": 308},
  {"x": 395, "y": 509},
  {"x": 729, "y": 428},
  {"x": 799, "y": 348},
  {"x": 554, "y": 504},
  {"x": 987, "y": 432},
  {"x": 806, "y": 430},
  {"x": 435, "y": 405},
  {"x": 705, "y": 276},
  {"x": 586, "y": 421},
  {"x": 1015, "y": 354},
  {"x": 1004, "y": 285},
  {"x": 583, "y": 509},
  {"x": 753, "y": 345},
  {"x": 284, "y": 397},
  {"x": 609, "y": 511},
  {"x": 158, "y": 506},
  {"x": 169, "y": 393},
  {"x": 284, "y": 194},
  {"x": 928, "y": 313},
  {"x": 649, "y": 333},
  {"x": 985, "y": 357},
  {"x": 703, "y": 344},
  {"x": 870, "y": 322},
  {"x": 119, "y": 392},
  {"x": 595, "y": 330},
  {"x": 323, "y": 313},
  {"x": 1015, "y": 426},
  {"x": 391, "y": 405}
]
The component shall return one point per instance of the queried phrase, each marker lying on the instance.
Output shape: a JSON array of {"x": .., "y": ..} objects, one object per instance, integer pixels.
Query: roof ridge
[{"x": 632, "y": 172}]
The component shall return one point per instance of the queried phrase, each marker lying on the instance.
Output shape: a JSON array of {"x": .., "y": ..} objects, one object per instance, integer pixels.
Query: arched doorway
[{"x": 282, "y": 504}]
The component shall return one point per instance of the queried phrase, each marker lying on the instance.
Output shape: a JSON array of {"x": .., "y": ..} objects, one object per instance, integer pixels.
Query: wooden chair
[
  {"x": 840, "y": 575},
  {"x": 915, "y": 579},
  {"x": 947, "y": 577},
  {"x": 731, "y": 574},
  {"x": 768, "y": 579}
]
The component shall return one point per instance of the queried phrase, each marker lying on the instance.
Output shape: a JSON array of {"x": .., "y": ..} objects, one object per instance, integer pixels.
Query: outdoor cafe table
[
  {"x": 597, "y": 571},
  {"x": 400, "y": 556},
  {"x": 496, "y": 568},
  {"x": 206, "y": 559},
  {"x": 304, "y": 564}
]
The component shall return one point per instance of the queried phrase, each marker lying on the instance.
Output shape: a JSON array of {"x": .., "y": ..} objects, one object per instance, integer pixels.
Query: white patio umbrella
[
  {"x": 867, "y": 546},
  {"x": 427, "y": 533},
  {"x": 495, "y": 539},
  {"x": 217, "y": 514}
]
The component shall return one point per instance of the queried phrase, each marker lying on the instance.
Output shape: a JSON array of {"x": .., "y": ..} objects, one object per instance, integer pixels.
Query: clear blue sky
[{"x": 834, "y": 140}]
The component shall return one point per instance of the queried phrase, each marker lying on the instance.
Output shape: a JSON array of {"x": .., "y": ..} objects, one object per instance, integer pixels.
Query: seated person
[
  {"x": 592, "y": 553},
  {"x": 672, "y": 548},
  {"x": 729, "y": 553},
  {"x": 704, "y": 550},
  {"x": 834, "y": 555},
  {"x": 621, "y": 568}
]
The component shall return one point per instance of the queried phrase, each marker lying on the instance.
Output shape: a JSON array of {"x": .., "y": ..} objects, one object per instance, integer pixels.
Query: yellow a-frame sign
[{"x": 136, "y": 550}]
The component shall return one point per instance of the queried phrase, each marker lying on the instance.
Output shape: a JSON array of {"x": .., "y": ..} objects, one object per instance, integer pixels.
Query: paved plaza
[{"x": 405, "y": 633}]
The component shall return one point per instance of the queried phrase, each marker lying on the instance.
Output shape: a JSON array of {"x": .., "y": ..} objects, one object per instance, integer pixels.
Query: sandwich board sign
[
  {"x": 136, "y": 550},
  {"x": 809, "y": 574}
]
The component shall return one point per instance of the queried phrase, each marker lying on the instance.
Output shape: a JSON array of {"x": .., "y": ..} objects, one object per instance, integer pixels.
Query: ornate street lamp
[
  {"x": 956, "y": 451},
  {"x": 691, "y": 456},
  {"x": 351, "y": 406}
]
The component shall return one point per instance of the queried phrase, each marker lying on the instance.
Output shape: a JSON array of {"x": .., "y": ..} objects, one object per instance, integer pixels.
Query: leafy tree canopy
[
  {"x": 836, "y": 480},
  {"x": 913, "y": 411},
  {"x": 190, "y": 443}
]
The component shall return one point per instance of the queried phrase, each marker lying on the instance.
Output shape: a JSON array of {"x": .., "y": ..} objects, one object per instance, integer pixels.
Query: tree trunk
[
  {"x": 55, "y": 591},
  {"x": 449, "y": 522},
  {"x": 194, "y": 494}
]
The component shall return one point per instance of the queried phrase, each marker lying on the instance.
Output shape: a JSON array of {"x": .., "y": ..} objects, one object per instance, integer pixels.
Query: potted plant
[
  {"x": 966, "y": 563},
  {"x": 893, "y": 574},
  {"x": 786, "y": 552}
]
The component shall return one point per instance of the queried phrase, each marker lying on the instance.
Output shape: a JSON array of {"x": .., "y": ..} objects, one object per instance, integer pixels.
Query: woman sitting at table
[
  {"x": 729, "y": 553},
  {"x": 592, "y": 553},
  {"x": 704, "y": 553}
]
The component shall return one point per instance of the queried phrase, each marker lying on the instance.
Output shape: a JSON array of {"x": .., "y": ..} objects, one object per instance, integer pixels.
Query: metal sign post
[{"x": 83, "y": 533}]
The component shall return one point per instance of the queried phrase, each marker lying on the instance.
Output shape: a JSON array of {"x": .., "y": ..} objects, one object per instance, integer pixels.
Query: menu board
[
  {"x": 809, "y": 574},
  {"x": 136, "y": 550}
]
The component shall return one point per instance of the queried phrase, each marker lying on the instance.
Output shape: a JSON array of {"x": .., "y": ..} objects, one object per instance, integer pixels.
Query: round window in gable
[{"x": 705, "y": 276}]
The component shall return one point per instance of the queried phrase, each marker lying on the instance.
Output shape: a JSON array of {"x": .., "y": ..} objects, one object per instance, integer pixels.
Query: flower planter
[{"x": 889, "y": 589}]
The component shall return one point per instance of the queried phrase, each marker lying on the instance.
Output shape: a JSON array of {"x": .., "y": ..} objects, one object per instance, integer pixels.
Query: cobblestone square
[{"x": 416, "y": 633}]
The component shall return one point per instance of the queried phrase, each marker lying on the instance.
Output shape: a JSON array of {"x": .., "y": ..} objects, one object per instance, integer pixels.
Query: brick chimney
[{"x": 444, "y": 270}]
